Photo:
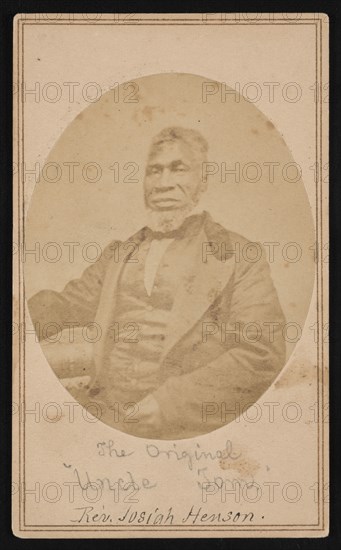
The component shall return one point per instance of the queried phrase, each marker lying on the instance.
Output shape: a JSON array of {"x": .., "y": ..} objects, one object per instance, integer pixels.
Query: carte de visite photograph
[{"x": 170, "y": 259}]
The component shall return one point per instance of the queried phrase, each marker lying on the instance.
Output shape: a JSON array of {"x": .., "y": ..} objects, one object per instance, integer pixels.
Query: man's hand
[{"x": 149, "y": 417}]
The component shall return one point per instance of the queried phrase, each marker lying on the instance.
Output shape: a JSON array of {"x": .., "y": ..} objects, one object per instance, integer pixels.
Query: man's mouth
[
  {"x": 164, "y": 199},
  {"x": 164, "y": 203}
]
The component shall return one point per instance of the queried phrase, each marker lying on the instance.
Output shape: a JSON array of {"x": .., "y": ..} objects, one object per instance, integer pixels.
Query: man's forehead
[{"x": 170, "y": 150}]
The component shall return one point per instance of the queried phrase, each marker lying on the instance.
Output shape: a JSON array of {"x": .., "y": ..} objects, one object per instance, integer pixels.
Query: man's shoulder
[
  {"x": 249, "y": 254},
  {"x": 217, "y": 232},
  {"x": 116, "y": 247}
]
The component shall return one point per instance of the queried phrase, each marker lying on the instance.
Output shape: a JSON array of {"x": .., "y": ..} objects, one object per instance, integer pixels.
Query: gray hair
[{"x": 192, "y": 138}]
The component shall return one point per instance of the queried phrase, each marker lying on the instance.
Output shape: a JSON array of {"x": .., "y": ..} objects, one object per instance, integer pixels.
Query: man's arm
[
  {"x": 239, "y": 376},
  {"x": 76, "y": 304}
]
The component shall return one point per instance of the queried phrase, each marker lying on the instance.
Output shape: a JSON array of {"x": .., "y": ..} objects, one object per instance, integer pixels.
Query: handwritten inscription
[
  {"x": 123, "y": 489},
  {"x": 196, "y": 515},
  {"x": 190, "y": 458},
  {"x": 174, "y": 453}
]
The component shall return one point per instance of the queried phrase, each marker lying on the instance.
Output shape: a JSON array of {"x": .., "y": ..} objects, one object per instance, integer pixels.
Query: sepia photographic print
[{"x": 170, "y": 257}]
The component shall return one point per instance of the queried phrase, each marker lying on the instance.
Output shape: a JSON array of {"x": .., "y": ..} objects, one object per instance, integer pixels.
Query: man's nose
[{"x": 164, "y": 180}]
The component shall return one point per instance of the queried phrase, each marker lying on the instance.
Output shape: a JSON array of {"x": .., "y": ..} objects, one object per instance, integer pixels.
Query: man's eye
[
  {"x": 180, "y": 169},
  {"x": 153, "y": 171}
]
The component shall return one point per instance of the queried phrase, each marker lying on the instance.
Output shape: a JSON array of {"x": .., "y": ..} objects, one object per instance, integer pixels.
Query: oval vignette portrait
[{"x": 176, "y": 263}]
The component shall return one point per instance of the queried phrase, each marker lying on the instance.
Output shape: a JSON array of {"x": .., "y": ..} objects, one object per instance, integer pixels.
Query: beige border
[{"x": 20, "y": 528}]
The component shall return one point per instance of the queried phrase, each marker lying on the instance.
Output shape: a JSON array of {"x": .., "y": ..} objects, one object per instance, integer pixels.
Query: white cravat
[{"x": 156, "y": 251}]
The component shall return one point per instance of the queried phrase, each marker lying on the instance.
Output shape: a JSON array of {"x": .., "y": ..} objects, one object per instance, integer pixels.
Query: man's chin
[{"x": 168, "y": 218}]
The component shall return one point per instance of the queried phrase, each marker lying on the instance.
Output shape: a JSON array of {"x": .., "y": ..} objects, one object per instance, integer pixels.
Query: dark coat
[{"x": 224, "y": 345}]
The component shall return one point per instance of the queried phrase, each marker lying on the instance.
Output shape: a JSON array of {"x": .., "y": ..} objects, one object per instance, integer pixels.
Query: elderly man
[{"x": 190, "y": 327}]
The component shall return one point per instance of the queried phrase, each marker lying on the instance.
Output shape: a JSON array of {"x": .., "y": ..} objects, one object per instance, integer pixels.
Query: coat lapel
[{"x": 107, "y": 303}]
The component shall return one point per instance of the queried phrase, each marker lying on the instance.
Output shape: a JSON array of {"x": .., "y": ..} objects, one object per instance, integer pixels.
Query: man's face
[{"x": 173, "y": 177}]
